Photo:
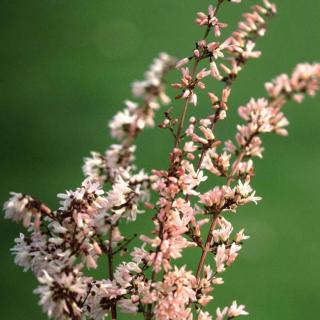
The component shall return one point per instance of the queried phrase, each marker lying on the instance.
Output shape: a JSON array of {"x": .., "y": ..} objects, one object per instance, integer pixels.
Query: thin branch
[
  {"x": 149, "y": 313},
  {"x": 207, "y": 245},
  {"x": 110, "y": 267},
  {"x": 124, "y": 244}
]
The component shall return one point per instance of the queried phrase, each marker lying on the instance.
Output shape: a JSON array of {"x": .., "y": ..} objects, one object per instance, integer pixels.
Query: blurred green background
[{"x": 66, "y": 69}]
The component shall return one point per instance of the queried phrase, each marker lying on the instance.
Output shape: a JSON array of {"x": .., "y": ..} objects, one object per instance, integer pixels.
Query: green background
[{"x": 66, "y": 69}]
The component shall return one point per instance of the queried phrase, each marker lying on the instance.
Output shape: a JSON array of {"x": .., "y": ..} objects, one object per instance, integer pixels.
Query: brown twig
[{"x": 110, "y": 267}]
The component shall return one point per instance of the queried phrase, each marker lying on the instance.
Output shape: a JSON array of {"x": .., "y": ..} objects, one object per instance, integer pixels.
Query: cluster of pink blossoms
[{"x": 61, "y": 245}]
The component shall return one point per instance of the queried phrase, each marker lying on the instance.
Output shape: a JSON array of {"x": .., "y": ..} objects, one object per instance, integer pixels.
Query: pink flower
[
  {"x": 240, "y": 236},
  {"x": 204, "y": 316},
  {"x": 182, "y": 62},
  {"x": 232, "y": 253},
  {"x": 236, "y": 311},
  {"x": 21, "y": 208},
  {"x": 224, "y": 231},
  {"x": 221, "y": 313},
  {"x": 221, "y": 258},
  {"x": 211, "y": 20},
  {"x": 88, "y": 223},
  {"x": 175, "y": 294}
]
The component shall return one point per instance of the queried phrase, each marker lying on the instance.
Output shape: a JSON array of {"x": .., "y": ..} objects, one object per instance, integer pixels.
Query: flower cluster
[
  {"x": 128, "y": 123},
  {"x": 59, "y": 246}
]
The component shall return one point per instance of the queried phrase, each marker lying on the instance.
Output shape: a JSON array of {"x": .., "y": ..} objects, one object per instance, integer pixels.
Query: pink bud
[
  {"x": 225, "y": 94},
  {"x": 217, "y": 31},
  {"x": 196, "y": 53},
  {"x": 192, "y": 120},
  {"x": 225, "y": 68},
  {"x": 213, "y": 97},
  {"x": 186, "y": 94},
  {"x": 182, "y": 62},
  {"x": 97, "y": 248},
  {"x": 194, "y": 99},
  {"x": 176, "y": 85},
  {"x": 201, "y": 85},
  {"x": 190, "y": 156},
  {"x": 214, "y": 70},
  {"x": 90, "y": 262}
]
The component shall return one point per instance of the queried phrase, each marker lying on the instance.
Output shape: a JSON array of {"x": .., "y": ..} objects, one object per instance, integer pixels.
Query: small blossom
[
  {"x": 22, "y": 208},
  {"x": 221, "y": 313},
  {"x": 240, "y": 236},
  {"x": 182, "y": 62},
  {"x": 236, "y": 311},
  {"x": 204, "y": 316}
]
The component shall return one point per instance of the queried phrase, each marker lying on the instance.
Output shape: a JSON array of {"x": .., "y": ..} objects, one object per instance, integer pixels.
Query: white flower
[
  {"x": 16, "y": 208},
  {"x": 236, "y": 311},
  {"x": 127, "y": 306},
  {"x": 221, "y": 313},
  {"x": 204, "y": 316}
]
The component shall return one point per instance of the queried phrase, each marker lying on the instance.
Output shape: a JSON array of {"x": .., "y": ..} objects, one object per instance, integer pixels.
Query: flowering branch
[{"x": 60, "y": 245}]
